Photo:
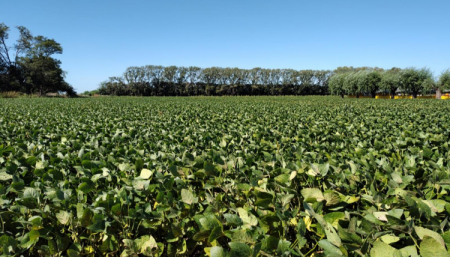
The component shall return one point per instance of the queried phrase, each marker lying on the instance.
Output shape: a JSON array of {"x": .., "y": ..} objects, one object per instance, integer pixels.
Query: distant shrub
[{"x": 10, "y": 94}]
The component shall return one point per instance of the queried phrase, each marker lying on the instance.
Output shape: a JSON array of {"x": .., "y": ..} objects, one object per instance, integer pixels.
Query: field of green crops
[{"x": 230, "y": 176}]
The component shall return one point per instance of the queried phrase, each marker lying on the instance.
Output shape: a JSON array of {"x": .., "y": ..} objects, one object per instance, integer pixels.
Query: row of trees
[
  {"x": 370, "y": 81},
  {"x": 189, "y": 81},
  {"x": 28, "y": 65}
]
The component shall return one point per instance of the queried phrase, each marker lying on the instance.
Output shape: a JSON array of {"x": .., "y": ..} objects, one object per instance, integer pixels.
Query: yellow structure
[{"x": 444, "y": 97}]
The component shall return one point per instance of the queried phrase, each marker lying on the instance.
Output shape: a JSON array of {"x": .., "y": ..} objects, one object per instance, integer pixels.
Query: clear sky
[{"x": 101, "y": 38}]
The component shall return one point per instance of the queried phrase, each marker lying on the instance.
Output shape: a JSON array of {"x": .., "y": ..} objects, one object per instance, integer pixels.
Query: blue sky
[{"x": 102, "y": 38}]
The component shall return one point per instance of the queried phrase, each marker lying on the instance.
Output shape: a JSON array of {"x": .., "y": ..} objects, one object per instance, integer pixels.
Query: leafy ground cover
[{"x": 232, "y": 176}]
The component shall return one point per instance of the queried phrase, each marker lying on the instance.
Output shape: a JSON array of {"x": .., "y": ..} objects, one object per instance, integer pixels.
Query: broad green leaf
[
  {"x": 30, "y": 192},
  {"x": 5, "y": 176},
  {"x": 187, "y": 196},
  {"x": 422, "y": 232},
  {"x": 389, "y": 239},
  {"x": 380, "y": 249},
  {"x": 63, "y": 217},
  {"x": 429, "y": 247},
  {"x": 217, "y": 251},
  {"x": 312, "y": 195},
  {"x": 409, "y": 251},
  {"x": 139, "y": 164},
  {"x": 86, "y": 186},
  {"x": 240, "y": 250},
  {"x": 330, "y": 232},
  {"x": 215, "y": 233},
  {"x": 329, "y": 248},
  {"x": 233, "y": 219}
]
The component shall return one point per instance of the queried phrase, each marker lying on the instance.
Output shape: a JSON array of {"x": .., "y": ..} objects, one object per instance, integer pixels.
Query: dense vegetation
[
  {"x": 28, "y": 66},
  {"x": 154, "y": 80},
  {"x": 242, "y": 176},
  {"x": 370, "y": 81}
]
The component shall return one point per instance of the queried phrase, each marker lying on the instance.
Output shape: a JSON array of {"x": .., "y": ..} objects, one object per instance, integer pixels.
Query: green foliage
[
  {"x": 31, "y": 69},
  {"x": 240, "y": 176},
  {"x": 370, "y": 81},
  {"x": 444, "y": 80},
  {"x": 156, "y": 80}
]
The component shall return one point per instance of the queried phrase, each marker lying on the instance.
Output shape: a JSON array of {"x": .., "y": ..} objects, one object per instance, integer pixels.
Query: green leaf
[
  {"x": 263, "y": 199},
  {"x": 332, "y": 198},
  {"x": 201, "y": 235},
  {"x": 446, "y": 237},
  {"x": 86, "y": 186},
  {"x": 409, "y": 251},
  {"x": 187, "y": 197},
  {"x": 5, "y": 176},
  {"x": 430, "y": 247},
  {"x": 139, "y": 164},
  {"x": 146, "y": 245},
  {"x": 380, "y": 249},
  {"x": 210, "y": 169},
  {"x": 282, "y": 179},
  {"x": 389, "y": 239},
  {"x": 62, "y": 242},
  {"x": 330, "y": 232},
  {"x": 270, "y": 244},
  {"x": 30, "y": 192},
  {"x": 334, "y": 217},
  {"x": 247, "y": 218},
  {"x": 8, "y": 244},
  {"x": 422, "y": 232},
  {"x": 63, "y": 217},
  {"x": 240, "y": 250},
  {"x": 124, "y": 167},
  {"x": 217, "y": 251},
  {"x": 329, "y": 248},
  {"x": 349, "y": 237},
  {"x": 232, "y": 219},
  {"x": 215, "y": 233},
  {"x": 36, "y": 222},
  {"x": 52, "y": 247},
  {"x": 34, "y": 235},
  {"x": 312, "y": 195},
  {"x": 209, "y": 222}
]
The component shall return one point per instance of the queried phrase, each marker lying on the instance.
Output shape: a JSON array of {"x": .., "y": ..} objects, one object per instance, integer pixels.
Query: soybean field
[{"x": 224, "y": 176}]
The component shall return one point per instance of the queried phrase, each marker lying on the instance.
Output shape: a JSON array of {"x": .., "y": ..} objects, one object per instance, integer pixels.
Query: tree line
[
  {"x": 28, "y": 65},
  {"x": 154, "y": 80},
  {"x": 370, "y": 81}
]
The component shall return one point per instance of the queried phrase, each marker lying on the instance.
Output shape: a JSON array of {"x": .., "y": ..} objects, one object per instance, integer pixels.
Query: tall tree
[
  {"x": 351, "y": 83},
  {"x": 443, "y": 83},
  {"x": 28, "y": 66},
  {"x": 412, "y": 80},
  {"x": 370, "y": 81},
  {"x": 336, "y": 84},
  {"x": 193, "y": 75},
  {"x": 390, "y": 81}
]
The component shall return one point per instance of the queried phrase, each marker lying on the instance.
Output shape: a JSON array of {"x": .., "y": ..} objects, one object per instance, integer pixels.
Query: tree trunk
[
  {"x": 414, "y": 95},
  {"x": 357, "y": 95},
  {"x": 392, "y": 95},
  {"x": 374, "y": 94},
  {"x": 438, "y": 93},
  {"x": 342, "y": 95}
]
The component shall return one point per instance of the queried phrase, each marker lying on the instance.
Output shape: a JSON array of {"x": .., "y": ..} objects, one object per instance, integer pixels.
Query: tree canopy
[
  {"x": 28, "y": 65},
  {"x": 370, "y": 81},
  {"x": 157, "y": 80}
]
